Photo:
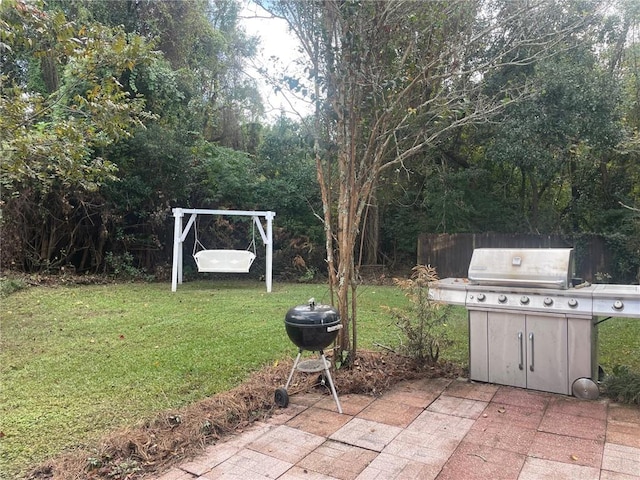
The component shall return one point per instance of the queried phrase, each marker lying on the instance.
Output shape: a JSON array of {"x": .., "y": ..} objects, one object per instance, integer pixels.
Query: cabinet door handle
[
  {"x": 532, "y": 350},
  {"x": 521, "y": 364}
]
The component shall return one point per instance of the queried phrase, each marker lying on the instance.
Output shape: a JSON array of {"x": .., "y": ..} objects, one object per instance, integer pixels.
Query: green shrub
[
  {"x": 424, "y": 322},
  {"x": 309, "y": 276},
  {"x": 122, "y": 267},
  {"x": 10, "y": 285},
  {"x": 623, "y": 385}
]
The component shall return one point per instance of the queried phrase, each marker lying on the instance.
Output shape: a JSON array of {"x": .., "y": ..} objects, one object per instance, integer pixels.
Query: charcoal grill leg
[
  {"x": 328, "y": 374},
  {"x": 295, "y": 364}
]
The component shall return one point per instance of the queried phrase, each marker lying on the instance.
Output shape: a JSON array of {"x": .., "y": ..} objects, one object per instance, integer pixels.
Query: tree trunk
[
  {"x": 370, "y": 236},
  {"x": 535, "y": 204},
  {"x": 50, "y": 72}
]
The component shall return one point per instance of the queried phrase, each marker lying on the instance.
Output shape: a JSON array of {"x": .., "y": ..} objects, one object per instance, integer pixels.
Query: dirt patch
[
  {"x": 55, "y": 279},
  {"x": 174, "y": 436}
]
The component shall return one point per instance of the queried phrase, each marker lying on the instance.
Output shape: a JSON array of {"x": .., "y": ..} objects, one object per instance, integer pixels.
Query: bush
[
  {"x": 122, "y": 267},
  {"x": 10, "y": 285},
  {"x": 623, "y": 385},
  {"x": 424, "y": 324}
]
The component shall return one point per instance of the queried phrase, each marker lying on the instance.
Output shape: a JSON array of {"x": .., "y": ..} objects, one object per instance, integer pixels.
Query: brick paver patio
[{"x": 435, "y": 429}]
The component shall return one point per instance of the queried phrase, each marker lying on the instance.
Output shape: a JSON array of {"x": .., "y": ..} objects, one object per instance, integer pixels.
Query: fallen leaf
[
  {"x": 502, "y": 410},
  {"x": 574, "y": 458}
]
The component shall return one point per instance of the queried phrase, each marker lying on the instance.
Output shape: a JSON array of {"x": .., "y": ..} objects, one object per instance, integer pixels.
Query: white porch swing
[
  {"x": 224, "y": 260},
  {"x": 221, "y": 260}
]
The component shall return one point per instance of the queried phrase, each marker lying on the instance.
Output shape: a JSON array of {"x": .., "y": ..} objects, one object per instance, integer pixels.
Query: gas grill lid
[{"x": 522, "y": 267}]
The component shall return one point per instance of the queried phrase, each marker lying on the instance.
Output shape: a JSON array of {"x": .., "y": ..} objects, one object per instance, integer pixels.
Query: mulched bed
[{"x": 174, "y": 436}]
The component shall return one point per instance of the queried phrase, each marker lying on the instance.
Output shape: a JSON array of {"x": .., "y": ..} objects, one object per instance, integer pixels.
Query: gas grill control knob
[
  {"x": 481, "y": 297},
  {"x": 502, "y": 298},
  {"x": 548, "y": 301},
  {"x": 573, "y": 303},
  {"x": 524, "y": 299},
  {"x": 618, "y": 305}
]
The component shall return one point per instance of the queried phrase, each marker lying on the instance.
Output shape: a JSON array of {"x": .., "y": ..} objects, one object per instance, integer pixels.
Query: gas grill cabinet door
[
  {"x": 528, "y": 351},
  {"x": 506, "y": 348},
  {"x": 547, "y": 362}
]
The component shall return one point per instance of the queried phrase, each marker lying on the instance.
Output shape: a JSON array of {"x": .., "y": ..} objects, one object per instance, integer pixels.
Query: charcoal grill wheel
[
  {"x": 281, "y": 397},
  {"x": 322, "y": 380}
]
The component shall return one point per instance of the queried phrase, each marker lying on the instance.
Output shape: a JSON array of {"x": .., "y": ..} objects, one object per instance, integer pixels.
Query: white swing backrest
[{"x": 224, "y": 261}]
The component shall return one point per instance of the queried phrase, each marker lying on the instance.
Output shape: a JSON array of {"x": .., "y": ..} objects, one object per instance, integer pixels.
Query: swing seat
[{"x": 224, "y": 261}]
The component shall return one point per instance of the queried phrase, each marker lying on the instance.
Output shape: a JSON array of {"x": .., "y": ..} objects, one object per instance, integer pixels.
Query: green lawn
[{"x": 76, "y": 362}]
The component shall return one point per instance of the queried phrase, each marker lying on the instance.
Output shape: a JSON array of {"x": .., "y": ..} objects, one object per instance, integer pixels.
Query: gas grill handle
[
  {"x": 521, "y": 364},
  {"x": 532, "y": 350},
  {"x": 524, "y": 282}
]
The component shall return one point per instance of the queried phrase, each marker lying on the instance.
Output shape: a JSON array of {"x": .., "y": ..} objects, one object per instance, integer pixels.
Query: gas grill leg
[
  {"x": 328, "y": 374},
  {"x": 295, "y": 364}
]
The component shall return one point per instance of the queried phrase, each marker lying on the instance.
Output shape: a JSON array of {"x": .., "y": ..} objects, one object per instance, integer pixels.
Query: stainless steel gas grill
[{"x": 531, "y": 324}]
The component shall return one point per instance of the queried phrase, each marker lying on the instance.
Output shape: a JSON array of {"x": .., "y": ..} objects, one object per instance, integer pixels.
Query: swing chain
[{"x": 197, "y": 243}]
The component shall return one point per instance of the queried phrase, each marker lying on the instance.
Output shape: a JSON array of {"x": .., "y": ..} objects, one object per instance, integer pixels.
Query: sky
[{"x": 277, "y": 50}]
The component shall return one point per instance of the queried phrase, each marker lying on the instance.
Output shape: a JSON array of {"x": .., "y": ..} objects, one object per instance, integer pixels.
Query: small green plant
[
  {"x": 122, "y": 267},
  {"x": 424, "y": 322},
  {"x": 603, "y": 277},
  {"x": 124, "y": 470},
  {"x": 10, "y": 285},
  {"x": 309, "y": 275},
  {"x": 623, "y": 385}
]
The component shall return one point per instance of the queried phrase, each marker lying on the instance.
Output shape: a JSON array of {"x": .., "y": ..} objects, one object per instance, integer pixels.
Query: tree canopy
[{"x": 444, "y": 117}]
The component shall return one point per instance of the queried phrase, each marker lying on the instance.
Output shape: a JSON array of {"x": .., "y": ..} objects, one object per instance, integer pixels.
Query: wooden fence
[{"x": 450, "y": 254}]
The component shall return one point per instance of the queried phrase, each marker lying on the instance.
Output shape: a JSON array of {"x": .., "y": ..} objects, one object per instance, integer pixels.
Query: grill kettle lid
[{"x": 312, "y": 314}]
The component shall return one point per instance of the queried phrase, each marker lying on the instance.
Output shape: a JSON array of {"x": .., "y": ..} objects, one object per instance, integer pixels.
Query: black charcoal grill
[{"x": 313, "y": 328}]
